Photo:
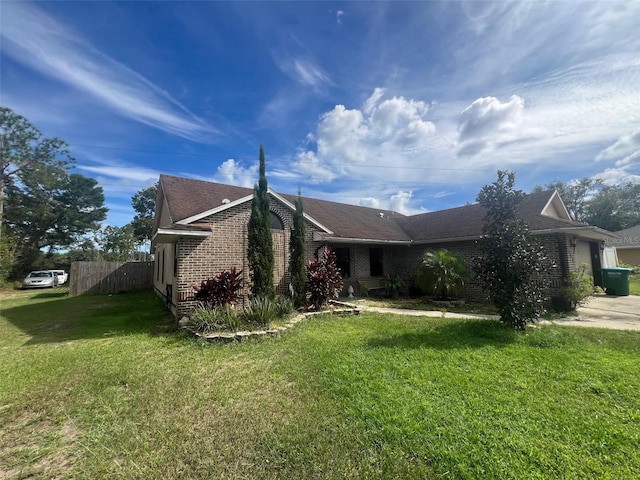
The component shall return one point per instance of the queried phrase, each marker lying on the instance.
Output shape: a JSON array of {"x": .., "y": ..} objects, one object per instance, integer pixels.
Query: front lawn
[
  {"x": 423, "y": 303},
  {"x": 99, "y": 387}
]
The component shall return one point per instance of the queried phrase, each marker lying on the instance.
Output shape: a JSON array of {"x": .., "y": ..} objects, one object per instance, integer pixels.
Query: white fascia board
[
  {"x": 594, "y": 233},
  {"x": 318, "y": 237},
  {"x": 550, "y": 201},
  {"x": 165, "y": 233},
  {"x": 213, "y": 211},
  {"x": 293, "y": 207}
]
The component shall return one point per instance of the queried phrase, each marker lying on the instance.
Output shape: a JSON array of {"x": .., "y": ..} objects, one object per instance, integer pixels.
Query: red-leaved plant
[
  {"x": 323, "y": 279},
  {"x": 222, "y": 289}
]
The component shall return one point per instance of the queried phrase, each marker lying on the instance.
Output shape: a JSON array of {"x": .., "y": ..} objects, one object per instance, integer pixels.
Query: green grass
[
  {"x": 422, "y": 303},
  {"x": 99, "y": 387},
  {"x": 634, "y": 284}
]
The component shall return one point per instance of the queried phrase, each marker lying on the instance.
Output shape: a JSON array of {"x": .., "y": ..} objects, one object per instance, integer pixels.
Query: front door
[{"x": 596, "y": 263}]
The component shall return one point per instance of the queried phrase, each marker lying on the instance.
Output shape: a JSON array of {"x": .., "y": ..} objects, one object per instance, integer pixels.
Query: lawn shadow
[
  {"x": 61, "y": 318},
  {"x": 452, "y": 334},
  {"x": 57, "y": 293}
]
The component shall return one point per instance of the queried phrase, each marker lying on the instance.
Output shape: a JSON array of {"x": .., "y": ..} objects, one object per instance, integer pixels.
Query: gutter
[
  {"x": 164, "y": 232},
  {"x": 577, "y": 230},
  {"x": 571, "y": 230},
  {"x": 317, "y": 237}
]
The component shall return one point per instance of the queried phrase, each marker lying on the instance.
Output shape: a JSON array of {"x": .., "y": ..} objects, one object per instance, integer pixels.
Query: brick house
[
  {"x": 200, "y": 229},
  {"x": 627, "y": 245}
]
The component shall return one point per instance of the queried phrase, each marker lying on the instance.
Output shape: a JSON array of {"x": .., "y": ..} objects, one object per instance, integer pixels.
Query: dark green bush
[
  {"x": 394, "y": 285},
  {"x": 579, "y": 287},
  {"x": 213, "y": 318},
  {"x": 259, "y": 312},
  {"x": 442, "y": 273}
]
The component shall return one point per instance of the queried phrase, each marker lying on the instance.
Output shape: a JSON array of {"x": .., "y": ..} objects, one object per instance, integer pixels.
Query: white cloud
[
  {"x": 373, "y": 100},
  {"x": 442, "y": 194},
  {"x": 626, "y": 150},
  {"x": 616, "y": 176},
  {"x": 303, "y": 71},
  {"x": 488, "y": 124},
  {"x": 369, "y": 202},
  {"x": 380, "y": 134},
  {"x": 123, "y": 173},
  {"x": 310, "y": 166},
  {"x": 37, "y": 40},
  {"x": 400, "y": 202},
  {"x": 232, "y": 173}
]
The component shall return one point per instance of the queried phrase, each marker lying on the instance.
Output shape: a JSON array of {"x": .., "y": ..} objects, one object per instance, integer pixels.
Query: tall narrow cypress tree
[
  {"x": 260, "y": 244},
  {"x": 296, "y": 259}
]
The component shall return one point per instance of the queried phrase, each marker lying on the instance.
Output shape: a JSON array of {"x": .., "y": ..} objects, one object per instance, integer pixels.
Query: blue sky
[{"x": 408, "y": 106}]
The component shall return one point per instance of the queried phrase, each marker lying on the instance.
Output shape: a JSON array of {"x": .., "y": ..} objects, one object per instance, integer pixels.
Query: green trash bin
[{"x": 616, "y": 280}]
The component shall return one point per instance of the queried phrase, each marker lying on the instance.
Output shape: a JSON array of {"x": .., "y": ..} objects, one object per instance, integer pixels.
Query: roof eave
[
  {"x": 447, "y": 239},
  {"x": 168, "y": 235},
  {"x": 318, "y": 237},
  {"x": 588, "y": 231}
]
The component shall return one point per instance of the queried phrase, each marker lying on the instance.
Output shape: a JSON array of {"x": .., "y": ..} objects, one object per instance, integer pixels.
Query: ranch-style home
[{"x": 200, "y": 229}]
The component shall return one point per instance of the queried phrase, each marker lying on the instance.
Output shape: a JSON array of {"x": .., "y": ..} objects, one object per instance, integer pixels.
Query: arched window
[{"x": 276, "y": 223}]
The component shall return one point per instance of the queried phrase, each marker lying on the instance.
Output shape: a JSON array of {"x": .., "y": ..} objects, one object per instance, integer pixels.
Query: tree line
[
  {"x": 51, "y": 216},
  {"x": 590, "y": 200}
]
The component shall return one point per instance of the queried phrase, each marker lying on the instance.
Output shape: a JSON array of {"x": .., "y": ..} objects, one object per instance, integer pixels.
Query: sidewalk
[
  {"x": 607, "y": 311},
  {"x": 602, "y": 311}
]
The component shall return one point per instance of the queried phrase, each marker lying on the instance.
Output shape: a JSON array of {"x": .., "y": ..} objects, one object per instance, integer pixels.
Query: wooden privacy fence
[{"x": 99, "y": 278}]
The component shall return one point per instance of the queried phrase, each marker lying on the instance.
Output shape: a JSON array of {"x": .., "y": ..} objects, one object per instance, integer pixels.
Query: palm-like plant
[{"x": 446, "y": 271}]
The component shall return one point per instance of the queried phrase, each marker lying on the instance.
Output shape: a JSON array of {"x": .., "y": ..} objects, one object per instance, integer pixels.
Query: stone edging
[{"x": 239, "y": 336}]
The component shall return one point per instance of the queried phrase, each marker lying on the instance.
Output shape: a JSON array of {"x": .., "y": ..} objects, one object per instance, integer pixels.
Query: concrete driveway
[{"x": 607, "y": 311}]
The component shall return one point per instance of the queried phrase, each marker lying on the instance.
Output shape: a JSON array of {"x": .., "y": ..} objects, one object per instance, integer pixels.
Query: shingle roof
[
  {"x": 187, "y": 198},
  {"x": 352, "y": 221},
  {"x": 467, "y": 221},
  {"x": 628, "y": 238}
]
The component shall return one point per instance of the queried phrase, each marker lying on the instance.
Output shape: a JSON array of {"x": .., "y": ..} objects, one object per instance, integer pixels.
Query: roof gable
[
  {"x": 188, "y": 198},
  {"x": 192, "y": 200}
]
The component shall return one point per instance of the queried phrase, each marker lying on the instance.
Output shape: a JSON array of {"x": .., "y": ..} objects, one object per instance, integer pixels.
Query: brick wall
[
  {"x": 407, "y": 261},
  {"x": 201, "y": 258}
]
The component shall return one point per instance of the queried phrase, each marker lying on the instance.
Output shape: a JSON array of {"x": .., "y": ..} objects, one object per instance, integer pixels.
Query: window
[
  {"x": 163, "y": 265},
  {"x": 157, "y": 266},
  {"x": 375, "y": 262},
  {"x": 276, "y": 223},
  {"x": 343, "y": 261},
  {"x": 175, "y": 259}
]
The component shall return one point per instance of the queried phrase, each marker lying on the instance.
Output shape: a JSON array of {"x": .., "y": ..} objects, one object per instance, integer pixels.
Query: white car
[
  {"x": 40, "y": 279},
  {"x": 62, "y": 276}
]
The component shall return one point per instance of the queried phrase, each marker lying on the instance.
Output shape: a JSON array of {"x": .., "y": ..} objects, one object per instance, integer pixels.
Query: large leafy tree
[
  {"x": 24, "y": 151},
  {"x": 616, "y": 207},
  {"x": 297, "y": 252},
  {"x": 511, "y": 261},
  {"x": 44, "y": 207},
  {"x": 576, "y": 195},
  {"x": 260, "y": 243},
  {"x": 144, "y": 204},
  {"x": 589, "y": 200},
  {"x": 116, "y": 243}
]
